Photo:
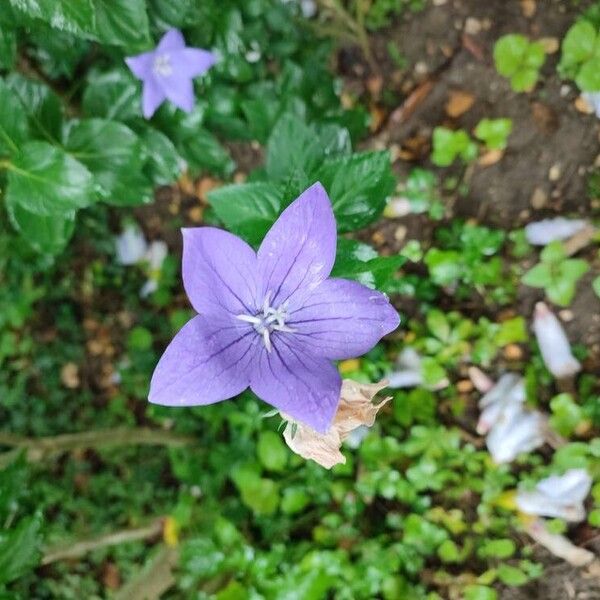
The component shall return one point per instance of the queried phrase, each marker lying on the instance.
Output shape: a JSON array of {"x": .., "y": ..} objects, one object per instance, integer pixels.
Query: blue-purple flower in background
[
  {"x": 167, "y": 72},
  {"x": 270, "y": 320}
]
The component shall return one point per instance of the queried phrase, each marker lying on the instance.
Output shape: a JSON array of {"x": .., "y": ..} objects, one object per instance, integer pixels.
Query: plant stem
[
  {"x": 80, "y": 548},
  {"x": 37, "y": 449}
]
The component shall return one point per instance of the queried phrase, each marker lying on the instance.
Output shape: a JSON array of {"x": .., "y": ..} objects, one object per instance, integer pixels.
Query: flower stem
[
  {"x": 78, "y": 548},
  {"x": 37, "y": 449}
]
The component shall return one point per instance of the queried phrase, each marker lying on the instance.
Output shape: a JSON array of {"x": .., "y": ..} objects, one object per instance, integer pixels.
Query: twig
[
  {"x": 82, "y": 547},
  {"x": 154, "y": 579},
  {"x": 37, "y": 449}
]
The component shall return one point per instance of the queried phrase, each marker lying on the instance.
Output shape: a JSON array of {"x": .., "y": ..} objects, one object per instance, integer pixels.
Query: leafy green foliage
[
  {"x": 580, "y": 58},
  {"x": 494, "y": 132},
  {"x": 557, "y": 274},
  {"x": 449, "y": 145},
  {"x": 519, "y": 60}
]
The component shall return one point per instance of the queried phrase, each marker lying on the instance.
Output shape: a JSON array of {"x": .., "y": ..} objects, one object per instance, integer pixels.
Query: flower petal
[
  {"x": 152, "y": 97},
  {"x": 192, "y": 62},
  {"x": 179, "y": 89},
  {"x": 302, "y": 386},
  {"x": 342, "y": 319},
  {"x": 172, "y": 40},
  {"x": 219, "y": 271},
  {"x": 141, "y": 64},
  {"x": 298, "y": 252},
  {"x": 208, "y": 361}
]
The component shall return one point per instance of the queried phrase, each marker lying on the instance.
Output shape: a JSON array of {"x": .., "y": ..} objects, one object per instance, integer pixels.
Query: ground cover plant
[{"x": 373, "y": 355}]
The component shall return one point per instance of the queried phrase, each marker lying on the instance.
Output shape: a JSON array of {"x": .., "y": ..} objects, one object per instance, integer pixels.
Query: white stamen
[
  {"x": 271, "y": 319},
  {"x": 162, "y": 65}
]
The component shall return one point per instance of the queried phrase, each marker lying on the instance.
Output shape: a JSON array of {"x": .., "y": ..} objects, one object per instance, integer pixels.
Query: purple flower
[
  {"x": 167, "y": 72},
  {"x": 270, "y": 320}
]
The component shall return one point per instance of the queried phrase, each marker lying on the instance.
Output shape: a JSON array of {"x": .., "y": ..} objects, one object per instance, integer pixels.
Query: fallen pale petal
[
  {"x": 553, "y": 343},
  {"x": 355, "y": 411},
  {"x": 559, "y": 545},
  {"x": 593, "y": 99},
  {"x": 541, "y": 233},
  {"x": 509, "y": 390},
  {"x": 560, "y": 496},
  {"x": 131, "y": 246}
]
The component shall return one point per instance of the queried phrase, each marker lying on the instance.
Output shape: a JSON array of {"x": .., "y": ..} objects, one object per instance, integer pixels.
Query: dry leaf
[
  {"x": 583, "y": 106},
  {"x": 459, "y": 103},
  {"x": 69, "y": 375},
  {"x": 490, "y": 158},
  {"x": 354, "y": 410}
]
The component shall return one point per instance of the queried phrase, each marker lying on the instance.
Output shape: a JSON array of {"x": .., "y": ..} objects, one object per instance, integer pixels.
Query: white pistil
[
  {"x": 271, "y": 319},
  {"x": 162, "y": 65}
]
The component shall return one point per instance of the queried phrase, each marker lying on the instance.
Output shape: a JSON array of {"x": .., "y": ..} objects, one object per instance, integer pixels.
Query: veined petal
[
  {"x": 298, "y": 384},
  {"x": 152, "y": 97},
  {"x": 208, "y": 361},
  {"x": 219, "y": 272},
  {"x": 342, "y": 319},
  {"x": 172, "y": 40},
  {"x": 298, "y": 252},
  {"x": 192, "y": 62},
  {"x": 141, "y": 64},
  {"x": 573, "y": 486}
]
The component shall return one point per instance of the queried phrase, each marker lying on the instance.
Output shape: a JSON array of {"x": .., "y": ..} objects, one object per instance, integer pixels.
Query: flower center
[
  {"x": 268, "y": 320},
  {"x": 162, "y": 65}
]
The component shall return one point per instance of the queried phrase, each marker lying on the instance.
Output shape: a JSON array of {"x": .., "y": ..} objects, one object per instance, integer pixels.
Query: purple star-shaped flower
[
  {"x": 167, "y": 72},
  {"x": 270, "y": 320}
]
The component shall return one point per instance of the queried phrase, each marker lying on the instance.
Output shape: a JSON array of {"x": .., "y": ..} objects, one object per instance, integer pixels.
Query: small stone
[
  {"x": 439, "y": 2},
  {"x": 550, "y": 44},
  {"x": 583, "y": 106},
  {"x": 490, "y": 158},
  {"x": 513, "y": 352},
  {"x": 565, "y": 90},
  {"x": 473, "y": 26},
  {"x": 400, "y": 233},
  {"x": 378, "y": 238},
  {"x": 539, "y": 198},
  {"x": 421, "y": 68},
  {"x": 555, "y": 172},
  {"x": 195, "y": 214},
  {"x": 566, "y": 315},
  {"x": 528, "y": 8},
  {"x": 69, "y": 375},
  {"x": 464, "y": 386}
]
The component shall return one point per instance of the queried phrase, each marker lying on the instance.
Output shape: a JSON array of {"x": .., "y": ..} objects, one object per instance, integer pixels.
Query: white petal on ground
[
  {"x": 397, "y": 207},
  {"x": 480, "y": 380},
  {"x": 156, "y": 254},
  {"x": 593, "y": 99},
  {"x": 509, "y": 390},
  {"x": 516, "y": 431},
  {"x": 553, "y": 343},
  {"x": 355, "y": 410},
  {"x": 131, "y": 246},
  {"x": 541, "y": 233},
  {"x": 559, "y": 496},
  {"x": 559, "y": 545},
  {"x": 408, "y": 373}
]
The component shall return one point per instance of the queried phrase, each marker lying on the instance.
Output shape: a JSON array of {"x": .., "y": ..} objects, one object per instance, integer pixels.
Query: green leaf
[
  {"x": 112, "y": 95},
  {"x": 19, "y": 548},
  {"x": 358, "y": 186},
  {"x": 449, "y": 552},
  {"x": 588, "y": 78},
  {"x": 579, "y": 43},
  {"x": 444, "y": 266},
  {"x": 67, "y": 15},
  {"x": 509, "y": 53},
  {"x": 8, "y": 48},
  {"x": 449, "y": 145},
  {"x": 47, "y": 181},
  {"x": 113, "y": 153},
  {"x": 248, "y": 209},
  {"x": 203, "y": 151},
  {"x": 164, "y": 162},
  {"x": 554, "y": 252},
  {"x": 480, "y": 592},
  {"x": 294, "y": 500},
  {"x": 46, "y": 234},
  {"x": 596, "y": 286},
  {"x": 524, "y": 80},
  {"x": 502, "y": 548},
  {"x": 494, "y": 132},
  {"x": 438, "y": 325},
  {"x": 539, "y": 276},
  {"x": 259, "y": 494},
  {"x": 511, "y": 575},
  {"x": 535, "y": 56},
  {"x": 566, "y": 414},
  {"x": 14, "y": 129},
  {"x": 42, "y": 107},
  {"x": 360, "y": 262},
  {"x": 122, "y": 22},
  {"x": 272, "y": 452}
]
